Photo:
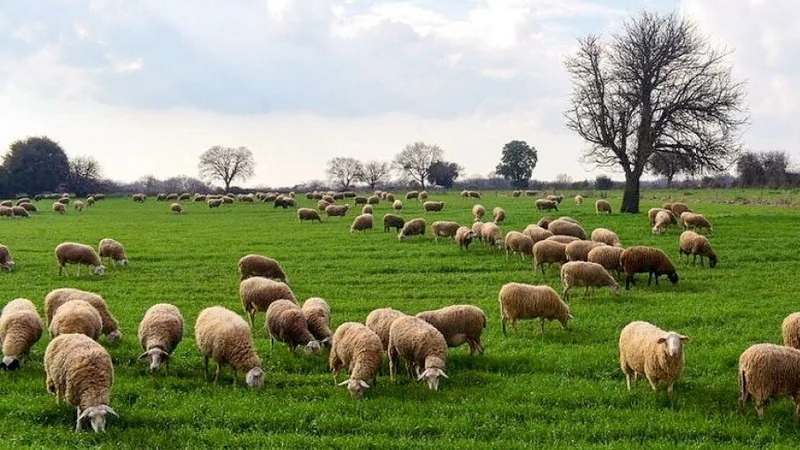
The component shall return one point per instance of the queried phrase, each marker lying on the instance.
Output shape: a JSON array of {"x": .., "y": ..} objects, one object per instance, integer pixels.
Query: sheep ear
[
  {"x": 143, "y": 355},
  {"x": 685, "y": 339},
  {"x": 363, "y": 383},
  {"x": 110, "y": 410},
  {"x": 441, "y": 373},
  {"x": 343, "y": 383},
  {"x": 423, "y": 374},
  {"x": 84, "y": 414},
  {"x": 164, "y": 353},
  {"x": 571, "y": 317},
  {"x": 661, "y": 340}
]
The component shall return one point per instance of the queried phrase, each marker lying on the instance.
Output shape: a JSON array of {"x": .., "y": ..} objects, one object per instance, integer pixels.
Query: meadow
[{"x": 563, "y": 388}]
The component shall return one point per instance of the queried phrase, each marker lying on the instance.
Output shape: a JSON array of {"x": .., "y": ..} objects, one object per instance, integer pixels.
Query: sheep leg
[
  {"x": 78, "y": 422},
  {"x": 252, "y": 316},
  {"x": 649, "y": 278},
  {"x": 760, "y": 404},
  {"x": 234, "y": 377},
  {"x": 216, "y": 375},
  {"x": 503, "y": 321},
  {"x": 653, "y": 382},
  {"x": 541, "y": 324},
  {"x": 628, "y": 281},
  {"x": 796, "y": 399},
  {"x": 392, "y": 364},
  {"x": 669, "y": 391},
  {"x": 514, "y": 326},
  {"x": 566, "y": 292},
  {"x": 628, "y": 380},
  {"x": 206, "y": 358},
  {"x": 166, "y": 367}
]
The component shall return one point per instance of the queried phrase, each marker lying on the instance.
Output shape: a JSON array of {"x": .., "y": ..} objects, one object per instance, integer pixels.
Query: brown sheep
[{"x": 654, "y": 261}]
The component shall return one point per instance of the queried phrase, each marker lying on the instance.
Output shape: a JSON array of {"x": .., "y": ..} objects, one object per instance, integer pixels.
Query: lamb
[
  {"x": 308, "y": 214},
  {"x": 397, "y": 205},
  {"x": 253, "y": 265},
  {"x": 477, "y": 227},
  {"x": 691, "y": 243},
  {"x": 566, "y": 228},
  {"x": 587, "y": 274},
  {"x": 214, "y": 202},
  {"x": 652, "y": 260},
  {"x": 362, "y": 223},
  {"x": 373, "y": 200},
  {"x": 579, "y": 250},
  {"x": 544, "y": 222},
  {"x": 645, "y": 349},
  {"x": 478, "y": 211},
  {"x": 548, "y": 252},
  {"x": 258, "y": 293},
  {"x": 176, "y": 208},
  {"x": 318, "y": 318},
  {"x": 767, "y": 371},
  {"x": 20, "y": 328},
  {"x": 19, "y": 211},
  {"x": 77, "y": 316},
  {"x": 58, "y": 297},
  {"x": 516, "y": 242},
  {"x": 380, "y": 320},
  {"x": 692, "y": 220},
  {"x": 458, "y": 324},
  {"x": 423, "y": 348},
  {"x": 607, "y": 256},
  {"x": 606, "y": 236},
  {"x": 411, "y": 195},
  {"x": 57, "y": 208},
  {"x": 546, "y": 205},
  {"x": 790, "y": 330},
  {"x": 224, "y": 336},
  {"x": 411, "y": 228},
  {"x": 444, "y": 229},
  {"x": 433, "y": 206},
  {"x": 661, "y": 222},
  {"x": 109, "y": 248},
  {"x": 536, "y": 233},
  {"x": 359, "y": 349},
  {"x": 80, "y": 372},
  {"x": 464, "y": 237},
  {"x": 6, "y": 262},
  {"x": 526, "y": 301},
  {"x": 78, "y": 205},
  {"x": 679, "y": 208},
  {"x": 287, "y": 323},
  {"x": 602, "y": 206},
  {"x": 74, "y": 253},
  {"x": 367, "y": 209},
  {"x": 337, "y": 210},
  {"x": 562, "y": 239},
  {"x": 579, "y": 200},
  {"x": 498, "y": 215},
  {"x": 393, "y": 221},
  {"x": 160, "y": 332}
]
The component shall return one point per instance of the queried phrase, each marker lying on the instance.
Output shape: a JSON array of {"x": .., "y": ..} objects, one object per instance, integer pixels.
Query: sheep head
[
  {"x": 97, "y": 417},
  {"x": 156, "y": 356},
  {"x": 312, "y": 347},
  {"x": 255, "y": 378},
  {"x": 673, "y": 343},
  {"x": 431, "y": 376},
  {"x": 114, "y": 336},
  {"x": 100, "y": 270},
  {"x": 355, "y": 387},
  {"x": 673, "y": 277}
]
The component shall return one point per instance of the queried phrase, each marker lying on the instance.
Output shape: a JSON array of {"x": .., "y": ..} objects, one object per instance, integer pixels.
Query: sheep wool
[
  {"x": 337, "y": 210},
  {"x": 641, "y": 259},
  {"x": 397, "y": 205},
  {"x": 392, "y": 221},
  {"x": 516, "y": 242},
  {"x": 359, "y": 350},
  {"x": 691, "y": 243},
  {"x": 59, "y": 208},
  {"x": 767, "y": 371},
  {"x": 579, "y": 250},
  {"x": 679, "y": 208},
  {"x": 661, "y": 221},
  {"x": 444, "y": 229},
  {"x": 498, "y": 215},
  {"x": 176, "y": 208},
  {"x": 109, "y": 248},
  {"x": 458, "y": 324},
  {"x": 367, "y": 209},
  {"x": 566, "y": 228},
  {"x": 253, "y": 265},
  {"x": 433, "y": 206},
  {"x": 578, "y": 200},
  {"x": 18, "y": 304},
  {"x": 160, "y": 332},
  {"x": 287, "y": 323},
  {"x": 223, "y": 336},
  {"x": 20, "y": 328},
  {"x": 6, "y": 261},
  {"x": 80, "y": 254},
  {"x": 548, "y": 252},
  {"x": 645, "y": 349},
  {"x": 77, "y": 316},
  {"x": 362, "y": 223},
  {"x": 308, "y": 214},
  {"x": 258, "y": 293},
  {"x": 546, "y": 205},
  {"x": 696, "y": 221},
  {"x": 607, "y": 256},
  {"x": 478, "y": 211},
  {"x": 525, "y": 301},
  {"x": 491, "y": 235},
  {"x": 58, "y": 297},
  {"x": 318, "y": 318},
  {"x": 587, "y": 274},
  {"x": 411, "y": 228},
  {"x": 602, "y": 206},
  {"x": 19, "y": 211},
  {"x": 380, "y": 320},
  {"x": 606, "y": 236},
  {"x": 536, "y": 232},
  {"x": 423, "y": 348},
  {"x": 464, "y": 237}
]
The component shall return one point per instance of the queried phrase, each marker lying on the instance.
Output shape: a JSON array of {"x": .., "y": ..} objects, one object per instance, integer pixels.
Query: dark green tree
[
  {"x": 603, "y": 183},
  {"x": 517, "y": 163},
  {"x": 443, "y": 173},
  {"x": 36, "y": 164}
]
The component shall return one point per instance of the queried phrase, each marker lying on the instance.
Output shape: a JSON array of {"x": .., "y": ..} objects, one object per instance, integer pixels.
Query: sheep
[
  {"x": 477, "y": 227},
  {"x": 561, "y": 239},
  {"x": 308, "y": 214},
  {"x": 6, "y": 203},
  {"x": 536, "y": 233},
  {"x": 498, "y": 215},
  {"x": 478, "y": 211},
  {"x": 602, "y": 206},
  {"x": 652, "y": 212},
  {"x": 80, "y": 372},
  {"x": 529, "y": 193},
  {"x": 20, "y": 328},
  {"x": 423, "y": 348},
  {"x": 433, "y": 206},
  {"x": 474, "y": 194},
  {"x": 373, "y": 200},
  {"x": 579, "y": 250},
  {"x": 284, "y": 202},
  {"x": 171, "y": 197},
  {"x": 464, "y": 237},
  {"x": 767, "y": 371},
  {"x": 19, "y": 211},
  {"x": 645, "y": 349},
  {"x": 679, "y": 208},
  {"x": 177, "y": 208},
  {"x": 566, "y": 228},
  {"x": 692, "y": 220},
  {"x": 161, "y": 196},
  {"x": 464, "y": 194},
  {"x": 184, "y": 196},
  {"x": 140, "y": 198},
  {"x": 58, "y": 297},
  {"x": 423, "y": 195},
  {"x": 253, "y": 265},
  {"x": 556, "y": 198},
  {"x": 606, "y": 236},
  {"x": 57, "y": 208},
  {"x": 318, "y": 318},
  {"x": 160, "y": 332},
  {"x": 548, "y": 252},
  {"x": 411, "y": 228},
  {"x": 491, "y": 235},
  {"x": 516, "y": 242},
  {"x": 22, "y": 200},
  {"x": 526, "y": 301},
  {"x": 227, "y": 200},
  {"x": 661, "y": 221},
  {"x": 790, "y": 330},
  {"x": 63, "y": 201},
  {"x": 109, "y": 248},
  {"x": 337, "y": 210},
  {"x": 390, "y": 198},
  {"x": 80, "y": 254},
  {"x": 546, "y": 205},
  {"x": 367, "y": 209},
  {"x": 587, "y": 274},
  {"x": 607, "y": 256},
  {"x": 544, "y": 222},
  {"x": 258, "y": 293},
  {"x": 392, "y": 221},
  {"x": 6, "y": 262},
  {"x": 652, "y": 260},
  {"x": 78, "y": 205},
  {"x": 691, "y": 243},
  {"x": 214, "y": 203},
  {"x": 380, "y": 320},
  {"x": 444, "y": 229},
  {"x": 516, "y": 194},
  {"x": 358, "y": 349},
  {"x": 578, "y": 200},
  {"x": 30, "y": 207},
  {"x": 362, "y": 223},
  {"x": 667, "y": 206},
  {"x": 287, "y": 323},
  {"x": 224, "y": 336},
  {"x": 77, "y": 316},
  {"x": 397, "y": 205},
  {"x": 458, "y": 324}
]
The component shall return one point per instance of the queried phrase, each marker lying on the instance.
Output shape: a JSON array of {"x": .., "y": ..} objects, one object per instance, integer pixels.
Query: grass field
[{"x": 563, "y": 388}]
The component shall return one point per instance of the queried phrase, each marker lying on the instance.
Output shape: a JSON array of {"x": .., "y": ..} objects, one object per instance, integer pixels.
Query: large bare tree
[
  {"x": 344, "y": 171},
  {"x": 375, "y": 172},
  {"x": 226, "y": 164},
  {"x": 657, "y": 87},
  {"x": 415, "y": 161},
  {"x": 84, "y": 175}
]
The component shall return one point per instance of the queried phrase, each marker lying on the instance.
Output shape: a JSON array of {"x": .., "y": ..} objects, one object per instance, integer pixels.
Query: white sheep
[
  {"x": 109, "y": 248},
  {"x": 662, "y": 220},
  {"x": 691, "y": 243},
  {"x": 80, "y": 254},
  {"x": 443, "y": 228},
  {"x": 411, "y": 228},
  {"x": 358, "y": 349},
  {"x": 20, "y": 328},
  {"x": 464, "y": 237},
  {"x": 790, "y": 330},
  {"x": 498, "y": 215},
  {"x": 606, "y": 236},
  {"x": 607, "y": 256},
  {"x": 767, "y": 371},
  {"x": 380, "y": 320},
  {"x": 362, "y": 223},
  {"x": 6, "y": 261},
  {"x": 526, "y": 301},
  {"x": 423, "y": 348},
  {"x": 258, "y": 293},
  {"x": 587, "y": 274},
  {"x": 458, "y": 324},
  {"x": 77, "y": 316},
  {"x": 224, "y": 336},
  {"x": 536, "y": 232},
  {"x": 318, "y": 318},
  {"x": 478, "y": 211},
  {"x": 308, "y": 214},
  {"x": 696, "y": 221},
  {"x": 645, "y": 349},
  {"x": 516, "y": 242},
  {"x": 548, "y": 252},
  {"x": 287, "y": 323},
  {"x": 160, "y": 332},
  {"x": 58, "y": 297},
  {"x": 579, "y": 250},
  {"x": 491, "y": 235}
]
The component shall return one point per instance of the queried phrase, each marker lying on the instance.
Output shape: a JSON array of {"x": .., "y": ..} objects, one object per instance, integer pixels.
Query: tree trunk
[
  {"x": 669, "y": 181},
  {"x": 630, "y": 199},
  {"x": 227, "y": 186}
]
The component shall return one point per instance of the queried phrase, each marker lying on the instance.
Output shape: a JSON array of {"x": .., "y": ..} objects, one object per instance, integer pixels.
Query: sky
[{"x": 145, "y": 87}]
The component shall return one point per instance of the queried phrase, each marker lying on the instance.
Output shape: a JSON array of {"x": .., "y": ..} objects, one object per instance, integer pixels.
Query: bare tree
[
  {"x": 658, "y": 87},
  {"x": 375, "y": 172},
  {"x": 84, "y": 175},
  {"x": 226, "y": 164},
  {"x": 669, "y": 165},
  {"x": 344, "y": 171},
  {"x": 415, "y": 161}
]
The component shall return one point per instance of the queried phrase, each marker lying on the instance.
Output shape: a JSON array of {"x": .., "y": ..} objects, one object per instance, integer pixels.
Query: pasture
[{"x": 562, "y": 388}]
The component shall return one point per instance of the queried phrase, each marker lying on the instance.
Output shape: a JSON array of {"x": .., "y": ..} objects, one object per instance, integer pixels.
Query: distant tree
[
  {"x": 344, "y": 171},
  {"x": 668, "y": 165},
  {"x": 415, "y": 161},
  {"x": 443, "y": 173},
  {"x": 603, "y": 183},
  {"x": 84, "y": 175},
  {"x": 149, "y": 184},
  {"x": 225, "y": 164},
  {"x": 5, "y": 189},
  {"x": 750, "y": 170},
  {"x": 517, "y": 163},
  {"x": 776, "y": 166},
  {"x": 36, "y": 164},
  {"x": 375, "y": 172},
  {"x": 563, "y": 180}
]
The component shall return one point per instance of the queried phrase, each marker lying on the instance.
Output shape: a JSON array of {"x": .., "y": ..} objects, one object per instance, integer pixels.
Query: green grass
[{"x": 563, "y": 388}]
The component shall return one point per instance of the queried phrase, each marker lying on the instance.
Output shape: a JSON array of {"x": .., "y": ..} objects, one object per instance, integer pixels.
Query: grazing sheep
[
  {"x": 287, "y": 323},
  {"x": 411, "y": 228},
  {"x": 423, "y": 195},
  {"x": 6, "y": 262},
  {"x": 109, "y": 248},
  {"x": 57, "y": 208},
  {"x": 548, "y": 252},
  {"x": 579, "y": 200},
  {"x": 566, "y": 228},
  {"x": 561, "y": 239},
  {"x": 458, "y": 324},
  {"x": 227, "y": 200},
  {"x": 412, "y": 195},
  {"x": 161, "y": 196},
  {"x": 284, "y": 202},
  {"x": 516, "y": 194},
  {"x": 606, "y": 236},
  {"x": 393, "y": 221},
  {"x": 63, "y": 200},
  {"x": 790, "y": 330},
  {"x": 536, "y": 233},
  {"x": 58, "y": 297},
  {"x": 367, "y": 209},
  {"x": 607, "y": 256},
  {"x": 19, "y": 211},
  {"x": 390, "y": 198},
  {"x": 373, "y": 200},
  {"x": 516, "y": 242},
  {"x": 525, "y": 301},
  {"x": 691, "y": 243},
  {"x": 336, "y": 210},
  {"x": 652, "y": 212},
  {"x": 645, "y": 349},
  {"x": 80, "y": 254},
  {"x": 214, "y": 203},
  {"x": 318, "y": 318},
  {"x": 176, "y": 208},
  {"x": 544, "y": 222},
  {"x": 7, "y": 203},
  {"x": 652, "y": 260},
  {"x": 587, "y": 274},
  {"x": 184, "y": 196},
  {"x": 477, "y": 227},
  {"x": 30, "y": 207},
  {"x": 224, "y": 336},
  {"x": 80, "y": 372},
  {"x": 140, "y": 198},
  {"x": 20, "y": 328},
  {"x": 433, "y": 206},
  {"x": 362, "y": 223},
  {"x": 253, "y": 265},
  {"x": 77, "y": 316},
  {"x": 679, "y": 208},
  {"x": 258, "y": 293},
  {"x": 423, "y": 348},
  {"x": 308, "y": 214},
  {"x": 556, "y": 198},
  {"x": 322, "y": 204},
  {"x": 359, "y": 349},
  {"x": 498, "y": 215},
  {"x": 546, "y": 205},
  {"x": 444, "y": 229},
  {"x": 380, "y": 320},
  {"x": 579, "y": 250},
  {"x": 22, "y": 200},
  {"x": 160, "y": 332},
  {"x": 18, "y": 304},
  {"x": 464, "y": 237},
  {"x": 78, "y": 205},
  {"x": 667, "y": 206},
  {"x": 691, "y": 220},
  {"x": 171, "y": 197},
  {"x": 602, "y": 206},
  {"x": 491, "y": 235},
  {"x": 662, "y": 220},
  {"x": 474, "y": 194},
  {"x": 397, "y": 205},
  {"x": 478, "y": 211},
  {"x": 531, "y": 193},
  {"x": 767, "y": 371}
]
